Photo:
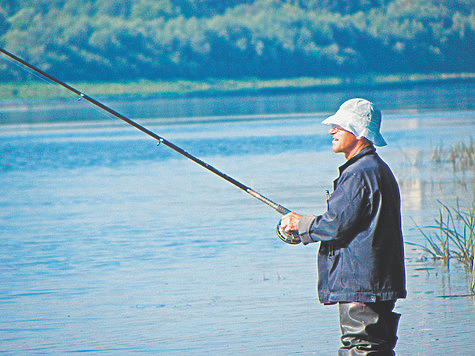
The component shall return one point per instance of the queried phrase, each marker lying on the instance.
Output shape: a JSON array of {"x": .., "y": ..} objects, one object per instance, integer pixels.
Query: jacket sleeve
[{"x": 347, "y": 208}]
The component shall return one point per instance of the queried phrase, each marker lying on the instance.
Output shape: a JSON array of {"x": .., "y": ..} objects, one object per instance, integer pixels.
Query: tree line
[{"x": 95, "y": 40}]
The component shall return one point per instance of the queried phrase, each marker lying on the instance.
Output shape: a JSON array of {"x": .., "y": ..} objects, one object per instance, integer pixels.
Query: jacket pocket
[{"x": 334, "y": 270}]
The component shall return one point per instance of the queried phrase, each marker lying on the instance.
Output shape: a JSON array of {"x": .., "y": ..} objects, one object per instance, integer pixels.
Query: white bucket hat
[{"x": 361, "y": 118}]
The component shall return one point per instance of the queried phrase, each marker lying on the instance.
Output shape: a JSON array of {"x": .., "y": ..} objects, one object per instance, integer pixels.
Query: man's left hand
[{"x": 290, "y": 222}]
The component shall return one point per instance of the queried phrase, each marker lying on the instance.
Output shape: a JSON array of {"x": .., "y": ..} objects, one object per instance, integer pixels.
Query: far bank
[{"x": 216, "y": 86}]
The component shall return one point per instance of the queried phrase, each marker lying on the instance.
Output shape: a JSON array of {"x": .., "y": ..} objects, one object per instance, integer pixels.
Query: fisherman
[{"x": 361, "y": 257}]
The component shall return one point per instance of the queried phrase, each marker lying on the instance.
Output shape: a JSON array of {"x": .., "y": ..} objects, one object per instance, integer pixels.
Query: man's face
[{"x": 343, "y": 141}]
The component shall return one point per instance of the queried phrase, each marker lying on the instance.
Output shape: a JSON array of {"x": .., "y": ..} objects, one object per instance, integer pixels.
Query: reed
[
  {"x": 461, "y": 156},
  {"x": 452, "y": 236}
]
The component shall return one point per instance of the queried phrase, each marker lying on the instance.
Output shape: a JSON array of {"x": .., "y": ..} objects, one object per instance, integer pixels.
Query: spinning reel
[{"x": 291, "y": 238}]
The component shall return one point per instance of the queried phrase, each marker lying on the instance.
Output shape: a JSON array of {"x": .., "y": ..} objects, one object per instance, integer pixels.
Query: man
[{"x": 361, "y": 257}]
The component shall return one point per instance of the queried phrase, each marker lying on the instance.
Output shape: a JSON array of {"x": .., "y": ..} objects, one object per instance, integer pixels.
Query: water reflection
[
  {"x": 429, "y": 98},
  {"x": 412, "y": 123},
  {"x": 412, "y": 193}
]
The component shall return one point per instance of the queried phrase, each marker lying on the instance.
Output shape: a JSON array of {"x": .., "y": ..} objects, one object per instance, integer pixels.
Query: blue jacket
[{"x": 361, "y": 256}]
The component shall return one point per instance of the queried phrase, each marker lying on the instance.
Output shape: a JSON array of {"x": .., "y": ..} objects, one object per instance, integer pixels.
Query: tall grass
[{"x": 452, "y": 236}]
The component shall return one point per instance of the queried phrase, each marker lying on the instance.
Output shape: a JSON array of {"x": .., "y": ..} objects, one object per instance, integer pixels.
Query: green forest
[{"x": 95, "y": 40}]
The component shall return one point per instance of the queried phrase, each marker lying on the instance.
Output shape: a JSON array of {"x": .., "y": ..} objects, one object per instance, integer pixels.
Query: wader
[{"x": 368, "y": 328}]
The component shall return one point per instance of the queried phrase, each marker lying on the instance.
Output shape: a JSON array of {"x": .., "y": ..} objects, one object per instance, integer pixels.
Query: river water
[{"x": 112, "y": 245}]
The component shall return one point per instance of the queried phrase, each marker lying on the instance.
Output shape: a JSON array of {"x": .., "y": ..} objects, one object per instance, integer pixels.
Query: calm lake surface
[{"x": 112, "y": 245}]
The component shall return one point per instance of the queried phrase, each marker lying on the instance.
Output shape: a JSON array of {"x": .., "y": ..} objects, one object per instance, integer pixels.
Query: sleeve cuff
[{"x": 305, "y": 223}]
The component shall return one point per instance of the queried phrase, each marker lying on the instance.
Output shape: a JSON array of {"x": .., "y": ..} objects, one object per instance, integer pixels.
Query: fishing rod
[{"x": 288, "y": 238}]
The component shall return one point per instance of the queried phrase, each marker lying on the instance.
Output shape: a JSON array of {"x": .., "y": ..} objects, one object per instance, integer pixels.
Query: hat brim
[{"x": 345, "y": 120}]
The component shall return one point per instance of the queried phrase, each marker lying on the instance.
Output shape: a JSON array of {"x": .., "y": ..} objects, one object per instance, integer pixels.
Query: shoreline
[{"x": 32, "y": 90}]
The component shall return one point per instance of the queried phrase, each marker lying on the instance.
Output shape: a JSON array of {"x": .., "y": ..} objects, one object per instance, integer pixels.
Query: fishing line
[
  {"x": 288, "y": 238},
  {"x": 52, "y": 84},
  {"x": 30, "y": 71}
]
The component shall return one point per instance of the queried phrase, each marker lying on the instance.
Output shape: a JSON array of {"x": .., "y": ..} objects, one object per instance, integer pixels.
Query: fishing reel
[{"x": 291, "y": 238}]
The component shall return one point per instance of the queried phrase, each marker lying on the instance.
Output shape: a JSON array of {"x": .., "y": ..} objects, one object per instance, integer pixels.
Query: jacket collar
[{"x": 364, "y": 152}]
